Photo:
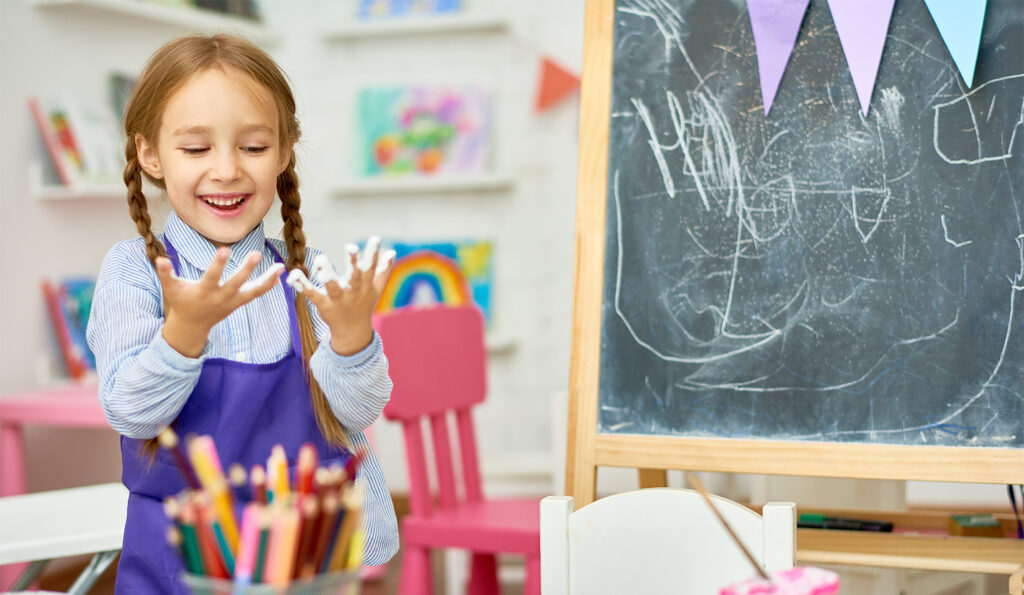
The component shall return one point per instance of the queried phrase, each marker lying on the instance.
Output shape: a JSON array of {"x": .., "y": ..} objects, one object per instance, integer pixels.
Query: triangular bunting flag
[
  {"x": 775, "y": 24},
  {"x": 862, "y": 26},
  {"x": 959, "y": 23},
  {"x": 555, "y": 84}
]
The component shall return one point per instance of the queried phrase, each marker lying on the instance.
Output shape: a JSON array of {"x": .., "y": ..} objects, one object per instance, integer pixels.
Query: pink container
[{"x": 801, "y": 580}]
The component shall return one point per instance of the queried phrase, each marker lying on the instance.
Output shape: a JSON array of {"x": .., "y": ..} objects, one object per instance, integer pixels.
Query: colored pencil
[
  {"x": 278, "y": 476},
  {"x": 352, "y": 501},
  {"x": 261, "y": 550},
  {"x": 305, "y": 468},
  {"x": 169, "y": 440},
  {"x": 309, "y": 514},
  {"x": 290, "y": 542},
  {"x": 190, "y": 541},
  {"x": 325, "y": 531},
  {"x": 237, "y": 478},
  {"x": 209, "y": 550},
  {"x": 258, "y": 479},
  {"x": 355, "y": 550},
  {"x": 353, "y": 463},
  {"x": 248, "y": 545},
  {"x": 224, "y": 512},
  {"x": 283, "y": 534}
]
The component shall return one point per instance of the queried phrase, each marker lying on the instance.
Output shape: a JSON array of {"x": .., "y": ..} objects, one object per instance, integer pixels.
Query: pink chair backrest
[
  {"x": 436, "y": 358},
  {"x": 438, "y": 364}
]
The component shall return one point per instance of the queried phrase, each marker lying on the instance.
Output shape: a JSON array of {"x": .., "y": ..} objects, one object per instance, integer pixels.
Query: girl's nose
[{"x": 225, "y": 167}]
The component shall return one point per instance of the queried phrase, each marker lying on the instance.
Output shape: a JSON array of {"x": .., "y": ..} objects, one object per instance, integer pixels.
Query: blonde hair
[{"x": 166, "y": 71}]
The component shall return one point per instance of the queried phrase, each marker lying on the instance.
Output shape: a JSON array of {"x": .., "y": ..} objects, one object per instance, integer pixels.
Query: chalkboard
[{"x": 813, "y": 275}]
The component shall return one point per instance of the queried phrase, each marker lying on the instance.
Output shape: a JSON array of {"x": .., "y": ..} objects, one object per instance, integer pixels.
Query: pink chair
[{"x": 438, "y": 365}]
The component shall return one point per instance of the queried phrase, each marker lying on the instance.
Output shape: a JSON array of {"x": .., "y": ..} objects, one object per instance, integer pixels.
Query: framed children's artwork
[
  {"x": 423, "y": 131},
  {"x": 452, "y": 273},
  {"x": 384, "y": 9}
]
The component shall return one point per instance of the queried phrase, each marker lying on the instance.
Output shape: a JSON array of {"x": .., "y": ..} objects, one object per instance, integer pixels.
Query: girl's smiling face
[{"x": 218, "y": 153}]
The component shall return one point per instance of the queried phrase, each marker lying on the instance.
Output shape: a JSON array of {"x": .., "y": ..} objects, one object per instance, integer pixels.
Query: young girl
[{"x": 196, "y": 328}]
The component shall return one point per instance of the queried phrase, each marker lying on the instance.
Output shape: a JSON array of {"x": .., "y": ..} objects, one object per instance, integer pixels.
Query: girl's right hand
[{"x": 191, "y": 309}]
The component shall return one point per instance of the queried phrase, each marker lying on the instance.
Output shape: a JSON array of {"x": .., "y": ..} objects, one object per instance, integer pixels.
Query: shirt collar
[{"x": 199, "y": 252}]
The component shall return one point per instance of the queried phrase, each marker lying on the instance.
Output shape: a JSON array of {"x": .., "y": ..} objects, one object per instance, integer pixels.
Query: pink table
[{"x": 70, "y": 406}]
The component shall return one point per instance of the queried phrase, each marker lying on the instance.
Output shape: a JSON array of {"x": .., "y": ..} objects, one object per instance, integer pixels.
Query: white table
[{"x": 46, "y": 525}]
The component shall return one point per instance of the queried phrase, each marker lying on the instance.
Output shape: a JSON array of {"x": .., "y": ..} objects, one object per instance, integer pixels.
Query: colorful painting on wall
[
  {"x": 382, "y": 9},
  {"x": 423, "y": 131},
  {"x": 451, "y": 273}
]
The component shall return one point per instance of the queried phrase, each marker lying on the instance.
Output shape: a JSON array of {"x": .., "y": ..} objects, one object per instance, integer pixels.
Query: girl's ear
[
  {"x": 149, "y": 159},
  {"x": 286, "y": 156}
]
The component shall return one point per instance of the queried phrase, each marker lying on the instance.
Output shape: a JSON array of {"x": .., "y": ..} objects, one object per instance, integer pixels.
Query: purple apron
[{"x": 247, "y": 408}]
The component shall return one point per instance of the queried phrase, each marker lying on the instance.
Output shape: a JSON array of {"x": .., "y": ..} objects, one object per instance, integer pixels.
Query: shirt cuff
[
  {"x": 350, "y": 361},
  {"x": 174, "y": 360}
]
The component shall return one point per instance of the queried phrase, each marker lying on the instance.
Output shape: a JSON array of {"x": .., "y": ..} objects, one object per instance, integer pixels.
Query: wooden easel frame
[{"x": 652, "y": 455}]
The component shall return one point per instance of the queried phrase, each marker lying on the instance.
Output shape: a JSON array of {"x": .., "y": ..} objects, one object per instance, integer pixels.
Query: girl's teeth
[{"x": 224, "y": 202}]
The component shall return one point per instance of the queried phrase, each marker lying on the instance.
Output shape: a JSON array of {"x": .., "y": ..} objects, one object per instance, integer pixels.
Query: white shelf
[
  {"x": 79, "y": 193},
  {"x": 498, "y": 344},
  {"x": 385, "y": 185},
  {"x": 193, "y": 19},
  {"x": 428, "y": 25},
  {"x": 40, "y": 190}
]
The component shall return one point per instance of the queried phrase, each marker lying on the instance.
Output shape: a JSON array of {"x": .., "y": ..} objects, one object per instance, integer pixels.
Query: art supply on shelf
[
  {"x": 975, "y": 525},
  {"x": 821, "y": 521},
  {"x": 278, "y": 533}
]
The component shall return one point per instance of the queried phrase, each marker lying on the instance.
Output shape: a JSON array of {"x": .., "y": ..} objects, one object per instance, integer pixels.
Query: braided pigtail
[
  {"x": 137, "y": 205},
  {"x": 139, "y": 210},
  {"x": 295, "y": 241}
]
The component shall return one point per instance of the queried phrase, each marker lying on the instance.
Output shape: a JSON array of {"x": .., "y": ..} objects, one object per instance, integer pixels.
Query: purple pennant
[
  {"x": 862, "y": 25},
  {"x": 775, "y": 24}
]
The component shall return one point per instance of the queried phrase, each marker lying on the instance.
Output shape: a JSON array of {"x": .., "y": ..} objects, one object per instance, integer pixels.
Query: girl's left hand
[{"x": 348, "y": 309}]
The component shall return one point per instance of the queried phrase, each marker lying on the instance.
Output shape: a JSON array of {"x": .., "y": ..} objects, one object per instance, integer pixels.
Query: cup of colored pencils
[{"x": 263, "y": 531}]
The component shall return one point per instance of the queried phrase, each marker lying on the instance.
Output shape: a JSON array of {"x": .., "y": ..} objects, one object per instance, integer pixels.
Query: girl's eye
[
  {"x": 194, "y": 150},
  {"x": 255, "y": 150}
]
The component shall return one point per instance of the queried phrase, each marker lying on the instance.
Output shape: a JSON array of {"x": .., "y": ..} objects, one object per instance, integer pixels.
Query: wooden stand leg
[
  {"x": 653, "y": 478},
  {"x": 1017, "y": 581}
]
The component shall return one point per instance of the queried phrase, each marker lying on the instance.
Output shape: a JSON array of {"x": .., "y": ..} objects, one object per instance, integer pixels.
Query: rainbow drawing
[{"x": 424, "y": 278}]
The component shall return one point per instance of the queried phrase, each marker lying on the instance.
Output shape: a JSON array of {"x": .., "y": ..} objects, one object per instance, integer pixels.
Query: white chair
[
  {"x": 42, "y": 526},
  {"x": 658, "y": 540}
]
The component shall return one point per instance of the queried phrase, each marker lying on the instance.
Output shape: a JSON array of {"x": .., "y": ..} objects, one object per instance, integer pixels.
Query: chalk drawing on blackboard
[{"x": 816, "y": 274}]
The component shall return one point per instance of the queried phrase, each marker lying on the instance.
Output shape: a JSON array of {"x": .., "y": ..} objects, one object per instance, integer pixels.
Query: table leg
[
  {"x": 13, "y": 478},
  {"x": 13, "y": 481}
]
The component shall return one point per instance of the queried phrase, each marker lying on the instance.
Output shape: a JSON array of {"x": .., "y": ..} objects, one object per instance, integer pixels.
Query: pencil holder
[{"x": 335, "y": 583}]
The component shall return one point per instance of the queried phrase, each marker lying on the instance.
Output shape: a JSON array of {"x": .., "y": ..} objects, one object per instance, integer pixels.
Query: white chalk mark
[
  {"x": 945, "y": 232},
  {"x": 877, "y": 220},
  {"x": 658, "y": 150},
  {"x": 755, "y": 340},
  {"x": 1009, "y": 144}
]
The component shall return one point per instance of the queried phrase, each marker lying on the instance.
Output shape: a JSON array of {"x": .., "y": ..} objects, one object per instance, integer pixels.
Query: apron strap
[{"x": 293, "y": 319}]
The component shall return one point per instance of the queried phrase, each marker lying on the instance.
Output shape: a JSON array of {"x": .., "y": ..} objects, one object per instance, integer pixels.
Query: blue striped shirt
[{"x": 144, "y": 382}]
